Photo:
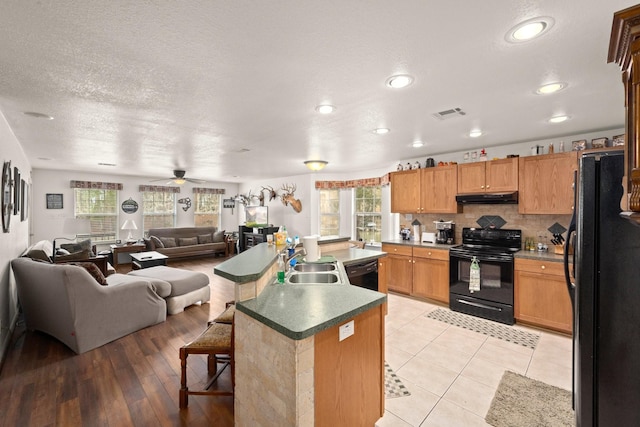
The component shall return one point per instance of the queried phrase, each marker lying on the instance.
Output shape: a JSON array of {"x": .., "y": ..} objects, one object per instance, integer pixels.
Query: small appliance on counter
[
  {"x": 416, "y": 225},
  {"x": 405, "y": 233},
  {"x": 428, "y": 237},
  {"x": 445, "y": 232}
]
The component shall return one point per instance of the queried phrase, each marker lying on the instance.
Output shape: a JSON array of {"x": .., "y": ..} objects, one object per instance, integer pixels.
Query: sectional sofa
[{"x": 185, "y": 242}]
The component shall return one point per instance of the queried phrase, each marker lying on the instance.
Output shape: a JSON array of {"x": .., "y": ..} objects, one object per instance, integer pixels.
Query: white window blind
[
  {"x": 330, "y": 212},
  {"x": 100, "y": 207},
  {"x": 368, "y": 218},
  {"x": 207, "y": 210}
]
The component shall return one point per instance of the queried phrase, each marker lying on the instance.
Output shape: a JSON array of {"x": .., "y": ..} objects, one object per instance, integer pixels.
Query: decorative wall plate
[
  {"x": 130, "y": 206},
  {"x": 7, "y": 196}
]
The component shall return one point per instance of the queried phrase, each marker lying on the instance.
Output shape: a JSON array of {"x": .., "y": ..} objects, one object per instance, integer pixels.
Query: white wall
[
  {"x": 14, "y": 243},
  {"x": 48, "y": 223}
]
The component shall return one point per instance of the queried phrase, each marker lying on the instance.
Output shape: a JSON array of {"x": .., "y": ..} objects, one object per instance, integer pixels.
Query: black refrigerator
[{"x": 605, "y": 297}]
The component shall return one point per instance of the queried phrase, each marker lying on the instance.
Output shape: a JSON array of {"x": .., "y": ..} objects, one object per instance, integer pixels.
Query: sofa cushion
[
  {"x": 157, "y": 243},
  {"x": 83, "y": 245},
  {"x": 61, "y": 251},
  {"x": 75, "y": 256},
  {"x": 187, "y": 241},
  {"x": 93, "y": 270},
  {"x": 41, "y": 250},
  {"x": 168, "y": 242},
  {"x": 205, "y": 238},
  {"x": 148, "y": 244},
  {"x": 218, "y": 236}
]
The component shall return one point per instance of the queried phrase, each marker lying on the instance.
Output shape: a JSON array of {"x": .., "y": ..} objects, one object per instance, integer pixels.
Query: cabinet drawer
[
  {"x": 431, "y": 253},
  {"x": 397, "y": 249},
  {"x": 535, "y": 266}
]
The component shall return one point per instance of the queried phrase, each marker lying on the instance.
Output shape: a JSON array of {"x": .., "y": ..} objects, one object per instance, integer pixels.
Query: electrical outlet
[{"x": 346, "y": 330}]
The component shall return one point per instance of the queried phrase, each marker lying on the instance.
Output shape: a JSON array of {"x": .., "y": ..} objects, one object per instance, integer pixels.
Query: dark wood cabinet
[{"x": 249, "y": 239}]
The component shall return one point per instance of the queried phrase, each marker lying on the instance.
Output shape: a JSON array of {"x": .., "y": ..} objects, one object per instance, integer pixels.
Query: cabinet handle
[
  {"x": 429, "y": 254},
  {"x": 482, "y": 187},
  {"x": 488, "y": 186},
  {"x": 542, "y": 267}
]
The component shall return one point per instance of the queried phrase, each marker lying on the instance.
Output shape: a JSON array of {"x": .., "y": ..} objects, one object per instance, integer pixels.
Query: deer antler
[{"x": 287, "y": 197}]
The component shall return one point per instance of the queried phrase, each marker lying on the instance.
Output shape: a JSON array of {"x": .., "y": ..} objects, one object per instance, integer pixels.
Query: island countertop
[{"x": 300, "y": 310}]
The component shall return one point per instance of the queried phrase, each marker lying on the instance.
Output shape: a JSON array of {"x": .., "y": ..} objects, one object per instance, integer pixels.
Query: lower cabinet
[
  {"x": 541, "y": 297},
  {"x": 431, "y": 274},
  {"x": 418, "y": 271}
]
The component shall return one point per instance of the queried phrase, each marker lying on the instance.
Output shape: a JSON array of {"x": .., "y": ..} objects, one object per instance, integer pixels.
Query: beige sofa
[
  {"x": 67, "y": 302},
  {"x": 185, "y": 242},
  {"x": 43, "y": 251}
]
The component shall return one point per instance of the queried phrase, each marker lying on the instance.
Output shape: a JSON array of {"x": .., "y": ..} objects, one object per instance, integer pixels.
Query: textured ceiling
[{"x": 153, "y": 86}]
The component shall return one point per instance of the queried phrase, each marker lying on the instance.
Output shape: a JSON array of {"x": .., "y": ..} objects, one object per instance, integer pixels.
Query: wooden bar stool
[{"x": 216, "y": 340}]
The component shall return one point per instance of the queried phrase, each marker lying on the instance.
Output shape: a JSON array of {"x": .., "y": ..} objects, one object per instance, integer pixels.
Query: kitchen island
[{"x": 306, "y": 354}]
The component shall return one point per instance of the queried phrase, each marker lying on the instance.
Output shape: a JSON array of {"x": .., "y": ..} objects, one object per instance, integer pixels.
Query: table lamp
[{"x": 129, "y": 225}]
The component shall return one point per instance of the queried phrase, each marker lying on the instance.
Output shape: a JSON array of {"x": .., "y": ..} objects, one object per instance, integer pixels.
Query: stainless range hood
[{"x": 488, "y": 198}]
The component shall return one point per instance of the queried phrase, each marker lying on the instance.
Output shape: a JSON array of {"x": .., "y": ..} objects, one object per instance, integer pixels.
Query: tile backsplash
[{"x": 531, "y": 225}]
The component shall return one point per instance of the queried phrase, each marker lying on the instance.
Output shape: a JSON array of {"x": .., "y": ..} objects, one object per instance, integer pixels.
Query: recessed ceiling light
[
  {"x": 417, "y": 144},
  {"x": 558, "y": 119},
  {"x": 381, "y": 131},
  {"x": 548, "y": 88},
  {"x": 38, "y": 115},
  {"x": 325, "y": 109},
  {"x": 46, "y": 159},
  {"x": 399, "y": 81},
  {"x": 475, "y": 133},
  {"x": 530, "y": 29},
  {"x": 106, "y": 164}
]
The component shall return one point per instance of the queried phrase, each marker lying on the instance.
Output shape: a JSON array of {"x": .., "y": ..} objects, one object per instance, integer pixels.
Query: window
[
  {"x": 329, "y": 212},
  {"x": 207, "y": 210},
  {"x": 158, "y": 210},
  {"x": 100, "y": 207},
  {"x": 368, "y": 218}
]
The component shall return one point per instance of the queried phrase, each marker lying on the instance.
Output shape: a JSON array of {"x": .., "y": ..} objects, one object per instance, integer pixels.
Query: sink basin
[
  {"x": 313, "y": 278},
  {"x": 314, "y": 267}
]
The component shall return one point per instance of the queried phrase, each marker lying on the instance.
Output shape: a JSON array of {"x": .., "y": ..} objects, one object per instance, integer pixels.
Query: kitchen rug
[
  {"x": 486, "y": 327},
  {"x": 393, "y": 387},
  {"x": 524, "y": 402}
]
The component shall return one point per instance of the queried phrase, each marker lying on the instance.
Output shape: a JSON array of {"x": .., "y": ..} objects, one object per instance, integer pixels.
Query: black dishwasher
[{"x": 363, "y": 274}]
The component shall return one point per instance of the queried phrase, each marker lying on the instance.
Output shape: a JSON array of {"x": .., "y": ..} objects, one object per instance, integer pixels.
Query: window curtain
[
  {"x": 96, "y": 185},
  {"x": 158, "y": 189},
  {"x": 355, "y": 183},
  {"x": 202, "y": 190}
]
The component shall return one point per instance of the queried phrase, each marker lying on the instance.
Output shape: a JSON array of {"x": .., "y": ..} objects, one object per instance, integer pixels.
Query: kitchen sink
[
  {"x": 311, "y": 278},
  {"x": 303, "y": 268}
]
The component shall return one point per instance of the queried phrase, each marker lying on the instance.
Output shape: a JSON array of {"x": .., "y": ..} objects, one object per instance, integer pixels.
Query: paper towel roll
[{"x": 310, "y": 244}]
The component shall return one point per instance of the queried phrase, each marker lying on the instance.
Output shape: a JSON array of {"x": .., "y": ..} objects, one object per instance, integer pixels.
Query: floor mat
[
  {"x": 486, "y": 327},
  {"x": 393, "y": 387}
]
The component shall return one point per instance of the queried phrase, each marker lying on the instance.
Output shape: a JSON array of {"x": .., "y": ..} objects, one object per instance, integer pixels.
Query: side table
[
  {"x": 147, "y": 259},
  {"x": 125, "y": 249}
]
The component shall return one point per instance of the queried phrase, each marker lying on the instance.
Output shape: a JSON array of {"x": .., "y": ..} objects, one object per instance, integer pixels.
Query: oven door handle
[{"x": 498, "y": 258}]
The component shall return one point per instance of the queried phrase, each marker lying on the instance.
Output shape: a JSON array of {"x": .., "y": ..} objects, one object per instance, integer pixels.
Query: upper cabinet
[
  {"x": 429, "y": 190},
  {"x": 546, "y": 183},
  {"x": 493, "y": 176}
]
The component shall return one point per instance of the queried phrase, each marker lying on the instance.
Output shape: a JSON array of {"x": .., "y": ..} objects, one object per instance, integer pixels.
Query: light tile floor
[{"x": 453, "y": 373}]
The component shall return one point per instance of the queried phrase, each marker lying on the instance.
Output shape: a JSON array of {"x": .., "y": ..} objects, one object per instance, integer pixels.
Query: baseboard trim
[{"x": 6, "y": 338}]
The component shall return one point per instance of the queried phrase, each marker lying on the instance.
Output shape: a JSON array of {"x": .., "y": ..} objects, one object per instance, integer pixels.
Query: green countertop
[{"x": 300, "y": 311}]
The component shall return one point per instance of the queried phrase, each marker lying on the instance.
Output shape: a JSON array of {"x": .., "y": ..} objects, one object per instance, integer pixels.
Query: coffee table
[{"x": 148, "y": 259}]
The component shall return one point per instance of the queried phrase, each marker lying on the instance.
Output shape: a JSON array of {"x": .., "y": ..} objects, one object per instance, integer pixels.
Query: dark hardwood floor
[{"x": 133, "y": 381}]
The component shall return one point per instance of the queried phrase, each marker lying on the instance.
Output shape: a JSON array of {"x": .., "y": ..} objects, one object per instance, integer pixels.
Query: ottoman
[{"x": 187, "y": 287}]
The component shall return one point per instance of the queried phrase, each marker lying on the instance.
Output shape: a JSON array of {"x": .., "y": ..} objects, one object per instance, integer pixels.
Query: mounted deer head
[
  {"x": 272, "y": 193},
  {"x": 287, "y": 197}
]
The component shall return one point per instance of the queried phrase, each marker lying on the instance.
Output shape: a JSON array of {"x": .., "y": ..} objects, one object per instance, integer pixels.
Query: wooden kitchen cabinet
[
  {"x": 399, "y": 268},
  {"x": 405, "y": 191},
  {"x": 541, "y": 297},
  {"x": 438, "y": 188},
  {"x": 546, "y": 183},
  {"x": 492, "y": 176},
  {"x": 431, "y": 274}
]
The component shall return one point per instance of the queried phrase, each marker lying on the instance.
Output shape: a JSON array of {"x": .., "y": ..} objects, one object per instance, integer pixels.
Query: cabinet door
[
  {"x": 502, "y": 175},
  {"x": 471, "y": 178},
  {"x": 541, "y": 297},
  {"x": 405, "y": 191},
  {"x": 431, "y": 279},
  {"x": 399, "y": 273},
  {"x": 546, "y": 183},
  {"x": 439, "y": 187}
]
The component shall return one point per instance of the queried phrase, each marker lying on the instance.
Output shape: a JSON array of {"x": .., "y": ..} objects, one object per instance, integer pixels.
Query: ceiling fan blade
[
  {"x": 196, "y": 181},
  {"x": 158, "y": 180}
]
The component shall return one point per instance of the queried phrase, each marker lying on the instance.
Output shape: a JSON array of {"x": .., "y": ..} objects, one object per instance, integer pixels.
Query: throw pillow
[
  {"x": 74, "y": 256},
  {"x": 148, "y": 244},
  {"x": 83, "y": 245},
  {"x": 61, "y": 251},
  {"x": 156, "y": 242},
  {"x": 205, "y": 238},
  {"x": 93, "y": 270},
  {"x": 218, "y": 236},
  {"x": 168, "y": 242},
  {"x": 187, "y": 241}
]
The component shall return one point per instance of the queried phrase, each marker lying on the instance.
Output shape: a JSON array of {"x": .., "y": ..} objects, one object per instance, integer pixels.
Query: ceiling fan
[{"x": 179, "y": 178}]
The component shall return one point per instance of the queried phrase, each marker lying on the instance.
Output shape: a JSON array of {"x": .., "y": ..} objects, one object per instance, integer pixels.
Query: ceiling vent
[{"x": 448, "y": 114}]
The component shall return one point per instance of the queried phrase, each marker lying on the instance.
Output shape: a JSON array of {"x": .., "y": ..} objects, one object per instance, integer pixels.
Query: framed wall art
[
  {"x": 24, "y": 208},
  {"x": 54, "y": 201},
  {"x": 579, "y": 145},
  {"x": 16, "y": 191},
  {"x": 599, "y": 143},
  {"x": 617, "y": 140},
  {"x": 7, "y": 196}
]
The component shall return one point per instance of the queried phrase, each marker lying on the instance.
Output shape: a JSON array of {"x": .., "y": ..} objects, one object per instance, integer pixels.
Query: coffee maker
[{"x": 445, "y": 232}]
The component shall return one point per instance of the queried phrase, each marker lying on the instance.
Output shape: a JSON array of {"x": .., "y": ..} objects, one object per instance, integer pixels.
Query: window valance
[
  {"x": 158, "y": 189},
  {"x": 354, "y": 183},
  {"x": 202, "y": 190},
  {"x": 96, "y": 185}
]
